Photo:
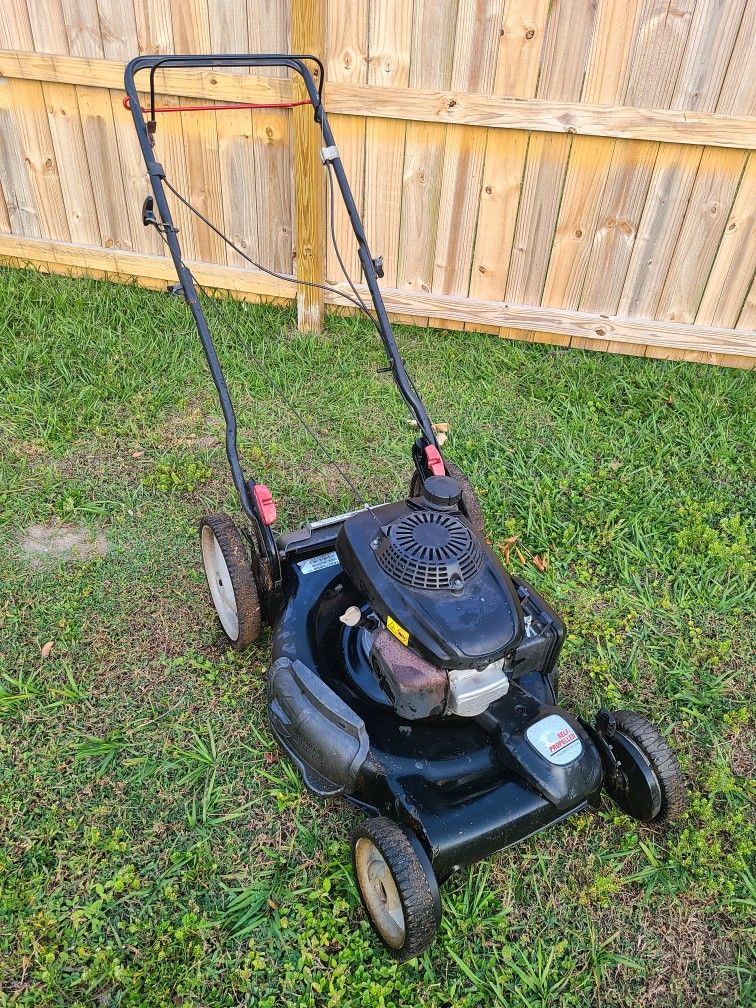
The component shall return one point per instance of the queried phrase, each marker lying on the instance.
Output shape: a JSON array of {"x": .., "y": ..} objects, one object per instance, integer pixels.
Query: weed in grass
[{"x": 157, "y": 849}]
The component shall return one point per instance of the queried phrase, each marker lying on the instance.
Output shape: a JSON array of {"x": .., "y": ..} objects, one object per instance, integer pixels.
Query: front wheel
[
  {"x": 397, "y": 886},
  {"x": 650, "y": 785},
  {"x": 229, "y": 578}
]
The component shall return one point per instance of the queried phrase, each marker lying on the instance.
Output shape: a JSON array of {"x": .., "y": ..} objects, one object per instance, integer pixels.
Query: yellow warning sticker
[{"x": 398, "y": 631}]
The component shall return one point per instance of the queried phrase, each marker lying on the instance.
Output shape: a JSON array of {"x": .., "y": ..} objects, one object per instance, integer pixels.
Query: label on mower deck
[
  {"x": 398, "y": 631},
  {"x": 555, "y": 740},
  {"x": 317, "y": 563}
]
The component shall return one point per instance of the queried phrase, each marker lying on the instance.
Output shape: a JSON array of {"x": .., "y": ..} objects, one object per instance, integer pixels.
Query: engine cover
[{"x": 433, "y": 582}]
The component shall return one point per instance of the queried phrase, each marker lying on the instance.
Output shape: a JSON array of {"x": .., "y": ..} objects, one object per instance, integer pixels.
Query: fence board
[
  {"x": 389, "y": 41},
  {"x": 430, "y": 67},
  {"x": 269, "y": 28},
  {"x": 18, "y": 195},
  {"x": 703, "y": 225},
  {"x": 48, "y": 26},
  {"x": 82, "y": 21},
  {"x": 118, "y": 29},
  {"x": 39, "y": 156},
  {"x": 656, "y": 55},
  {"x": 571, "y": 328},
  {"x": 473, "y": 69},
  {"x": 568, "y": 38},
  {"x": 735, "y": 264},
  {"x": 346, "y": 62}
]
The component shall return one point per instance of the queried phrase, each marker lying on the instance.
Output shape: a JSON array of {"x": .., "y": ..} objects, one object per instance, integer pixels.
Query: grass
[{"x": 156, "y": 850}]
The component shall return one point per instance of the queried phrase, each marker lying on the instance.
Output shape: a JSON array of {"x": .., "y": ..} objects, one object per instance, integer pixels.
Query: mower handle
[{"x": 370, "y": 266}]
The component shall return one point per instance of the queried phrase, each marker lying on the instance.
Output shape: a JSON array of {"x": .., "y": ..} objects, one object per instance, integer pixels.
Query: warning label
[{"x": 317, "y": 563}]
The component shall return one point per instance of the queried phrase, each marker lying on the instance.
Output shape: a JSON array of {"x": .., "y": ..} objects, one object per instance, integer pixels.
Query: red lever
[
  {"x": 219, "y": 108},
  {"x": 265, "y": 503},
  {"x": 434, "y": 460}
]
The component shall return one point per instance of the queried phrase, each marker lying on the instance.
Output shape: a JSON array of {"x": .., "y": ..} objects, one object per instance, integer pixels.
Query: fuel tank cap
[{"x": 442, "y": 491}]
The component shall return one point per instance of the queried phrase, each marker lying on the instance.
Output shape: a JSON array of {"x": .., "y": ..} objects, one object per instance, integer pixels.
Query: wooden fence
[{"x": 571, "y": 171}]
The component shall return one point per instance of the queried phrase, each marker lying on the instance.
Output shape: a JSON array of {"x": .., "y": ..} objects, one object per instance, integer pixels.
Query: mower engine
[{"x": 428, "y": 578}]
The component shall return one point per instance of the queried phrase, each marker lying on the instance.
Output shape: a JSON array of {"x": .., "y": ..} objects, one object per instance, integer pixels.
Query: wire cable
[
  {"x": 267, "y": 374},
  {"x": 332, "y": 226},
  {"x": 358, "y": 303}
]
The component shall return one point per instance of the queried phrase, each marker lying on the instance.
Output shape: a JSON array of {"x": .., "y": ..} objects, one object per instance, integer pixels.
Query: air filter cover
[{"x": 430, "y": 550}]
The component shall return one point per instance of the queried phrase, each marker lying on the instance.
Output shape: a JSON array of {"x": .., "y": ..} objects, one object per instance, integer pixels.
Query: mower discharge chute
[{"x": 411, "y": 674}]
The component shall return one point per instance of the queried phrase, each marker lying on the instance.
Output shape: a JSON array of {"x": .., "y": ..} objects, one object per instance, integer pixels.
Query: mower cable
[
  {"x": 356, "y": 301},
  {"x": 359, "y": 304},
  {"x": 276, "y": 387},
  {"x": 331, "y": 220}
]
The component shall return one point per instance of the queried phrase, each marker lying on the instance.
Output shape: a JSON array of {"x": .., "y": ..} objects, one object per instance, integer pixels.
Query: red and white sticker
[{"x": 555, "y": 740}]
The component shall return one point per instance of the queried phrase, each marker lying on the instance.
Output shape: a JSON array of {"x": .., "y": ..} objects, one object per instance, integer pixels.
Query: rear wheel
[
  {"x": 650, "y": 786},
  {"x": 397, "y": 887},
  {"x": 229, "y": 577},
  {"x": 469, "y": 504}
]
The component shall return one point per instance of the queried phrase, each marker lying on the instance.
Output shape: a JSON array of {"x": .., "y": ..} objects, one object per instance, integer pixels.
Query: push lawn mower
[{"x": 411, "y": 674}]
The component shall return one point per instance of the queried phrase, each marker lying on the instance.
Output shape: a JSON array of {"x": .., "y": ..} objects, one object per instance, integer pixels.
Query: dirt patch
[{"x": 69, "y": 542}]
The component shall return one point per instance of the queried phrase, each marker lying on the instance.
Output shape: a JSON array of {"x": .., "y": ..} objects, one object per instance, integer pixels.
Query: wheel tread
[
  {"x": 662, "y": 758},
  {"x": 245, "y": 590},
  {"x": 418, "y": 899}
]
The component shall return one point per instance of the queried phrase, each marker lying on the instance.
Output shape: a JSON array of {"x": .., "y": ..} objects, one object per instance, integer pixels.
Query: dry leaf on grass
[
  {"x": 541, "y": 561},
  {"x": 506, "y": 547},
  {"x": 47, "y": 648}
]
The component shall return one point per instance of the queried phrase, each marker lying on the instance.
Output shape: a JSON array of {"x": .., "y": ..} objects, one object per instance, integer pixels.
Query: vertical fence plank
[
  {"x": 476, "y": 47},
  {"x": 568, "y": 38},
  {"x": 118, "y": 29},
  {"x": 653, "y": 66},
  {"x": 18, "y": 195},
  {"x": 431, "y": 57},
  {"x": 71, "y": 154},
  {"x": 346, "y": 51},
  {"x": 389, "y": 54},
  {"x": 82, "y": 22},
  {"x": 48, "y": 26},
  {"x": 229, "y": 33},
  {"x": 15, "y": 33},
  {"x": 520, "y": 46},
  {"x": 738, "y": 94},
  {"x": 134, "y": 179},
  {"x": 747, "y": 317},
  {"x": 590, "y": 157},
  {"x": 269, "y": 29},
  {"x": 107, "y": 185},
  {"x": 735, "y": 263},
  {"x": 307, "y": 35},
  {"x": 39, "y": 157},
  {"x": 712, "y": 36},
  {"x": 154, "y": 26},
  {"x": 706, "y": 214}
]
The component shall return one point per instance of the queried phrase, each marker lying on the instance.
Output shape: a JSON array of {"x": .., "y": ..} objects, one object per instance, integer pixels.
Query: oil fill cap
[{"x": 442, "y": 491}]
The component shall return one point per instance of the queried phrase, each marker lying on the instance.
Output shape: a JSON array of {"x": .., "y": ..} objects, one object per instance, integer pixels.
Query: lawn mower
[{"x": 411, "y": 673}]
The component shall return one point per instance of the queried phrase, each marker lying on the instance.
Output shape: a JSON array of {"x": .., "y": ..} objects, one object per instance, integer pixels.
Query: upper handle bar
[{"x": 296, "y": 63}]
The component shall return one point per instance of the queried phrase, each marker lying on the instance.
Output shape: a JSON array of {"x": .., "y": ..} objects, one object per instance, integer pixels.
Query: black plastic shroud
[{"x": 454, "y": 624}]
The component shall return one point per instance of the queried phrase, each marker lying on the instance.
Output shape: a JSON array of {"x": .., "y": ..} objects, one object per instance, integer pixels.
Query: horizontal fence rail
[{"x": 577, "y": 173}]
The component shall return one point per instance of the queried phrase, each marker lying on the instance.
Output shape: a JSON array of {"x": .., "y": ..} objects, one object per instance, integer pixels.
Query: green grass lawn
[{"x": 156, "y": 850}]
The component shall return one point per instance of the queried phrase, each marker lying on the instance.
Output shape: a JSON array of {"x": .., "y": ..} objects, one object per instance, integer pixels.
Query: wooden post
[{"x": 308, "y": 36}]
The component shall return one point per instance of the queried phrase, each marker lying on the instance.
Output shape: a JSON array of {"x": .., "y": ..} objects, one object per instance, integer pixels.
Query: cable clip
[{"x": 329, "y": 153}]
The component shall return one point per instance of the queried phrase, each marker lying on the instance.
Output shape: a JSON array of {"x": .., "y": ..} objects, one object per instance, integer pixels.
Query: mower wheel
[
  {"x": 652, "y": 786},
  {"x": 229, "y": 578},
  {"x": 397, "y": 886},
  {"x": 469, "y": 505}
]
